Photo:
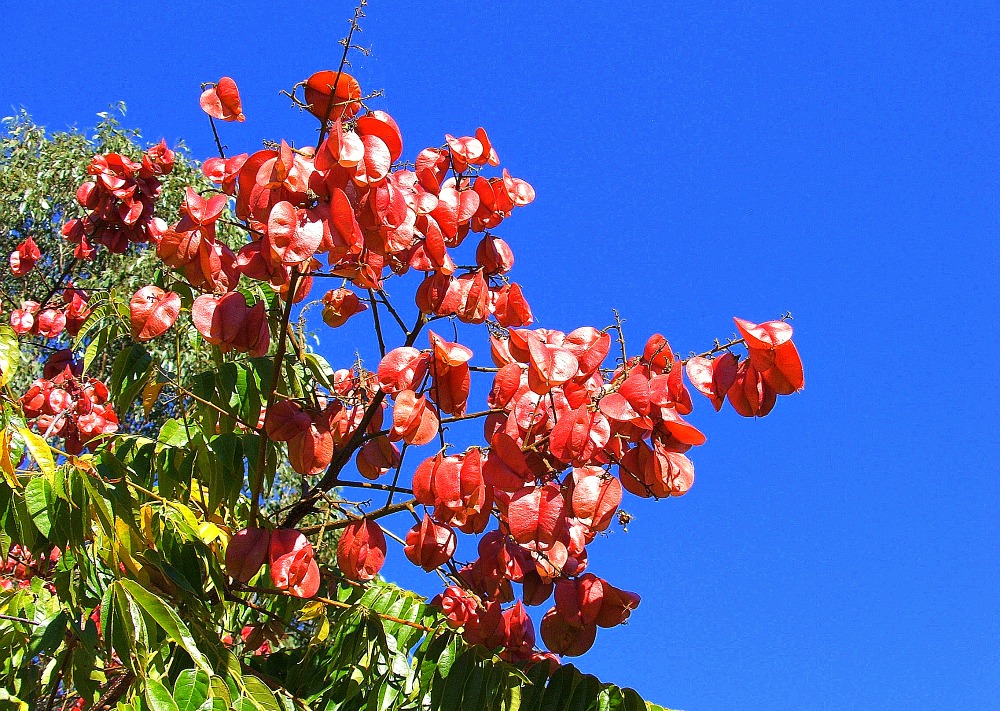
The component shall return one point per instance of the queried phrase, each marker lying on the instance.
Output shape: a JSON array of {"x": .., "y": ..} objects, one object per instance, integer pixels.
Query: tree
[{"x": 162, "y": 560}]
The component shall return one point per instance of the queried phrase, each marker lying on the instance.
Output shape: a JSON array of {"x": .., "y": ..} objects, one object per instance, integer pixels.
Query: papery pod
[
  {"x": 152, "y": 312},
  {"x": 293, "y": 566},
  {"x": 430, "y": 544},
  {"x": 713, "y": 378},
  {"x": 361, "y": 550},
  {"x": 402, "y": 369},
  {"x": 565, "y": 639},
  {"x": 246, "y": 553},
  {"x": 579, "y": 435},
  {"x": 594, "y": 497},
  {"x": 413, "y": 419},
  {"x": 222, "y": 101},
  {"x": 536, "y": 514}
]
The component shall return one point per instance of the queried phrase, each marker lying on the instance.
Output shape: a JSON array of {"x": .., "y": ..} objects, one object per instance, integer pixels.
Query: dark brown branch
[
  {"x": 22, "y": 620},
  {"x": 115, "y": 691},
  {"x": 443, "y": 421},
  {"x": 374, "y": 485},
  {"x": 343, "y": 456},
  {"x": 279, "y": 358},
  {"x": 371, "y": 515},
  {"x": 58, "y": 283},
  {"x": 218, "y": 142},
  {"x": 348, "y": 606},
  {"x": 378, "y": 323},
  {"x": 395, "y": 314}
]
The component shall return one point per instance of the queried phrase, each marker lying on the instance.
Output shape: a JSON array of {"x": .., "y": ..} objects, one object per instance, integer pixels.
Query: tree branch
[{"x": 343, "y": 456}]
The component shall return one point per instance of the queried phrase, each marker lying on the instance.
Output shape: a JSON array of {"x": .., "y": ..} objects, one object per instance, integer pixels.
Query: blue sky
[{"x": 696, "y": 161}]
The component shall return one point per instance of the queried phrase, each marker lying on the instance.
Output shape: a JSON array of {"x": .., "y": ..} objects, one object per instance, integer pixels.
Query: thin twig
[
  {"x": 218, "y": 143},
  {"x": 378, "y": 323},
  {"x": 22, "y": 620},
  {"x": 388, "y": 305},
  {"x": 279, "y": 356},
  {"x": 343, "y": 456},
  {"x": 358, "y": 13},
  {"x": 374, "y": 485}
]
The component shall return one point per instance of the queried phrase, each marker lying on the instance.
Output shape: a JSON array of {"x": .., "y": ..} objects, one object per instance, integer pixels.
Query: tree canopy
[{"x": 176, "y": 454}]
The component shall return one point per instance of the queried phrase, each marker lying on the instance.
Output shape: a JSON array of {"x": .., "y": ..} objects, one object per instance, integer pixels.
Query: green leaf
[
  {"x": 129, "y": 374},
  {"x": 220, "y": 693},
  {"x": 261, "y": 696},
  {"x": 49, "y": 635},
  {"x": 321, "y": 370},
  {"x": 94, "y": 349},
  {"x": 173, "y": 433},
  {"x": 191, "y": 689},
  {"x": 38, "y": 497},
  {"x": 158, "y": 697},
  {"x": 10, "y": 354},
  {"x": 168, "y": 620}
]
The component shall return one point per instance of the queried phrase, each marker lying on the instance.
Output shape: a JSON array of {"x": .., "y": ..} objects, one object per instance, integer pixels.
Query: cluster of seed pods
[
  {"x": 21, "y": 566},
  {"x": 62, "y": 404},
  {"x": 565, "y": 436},
  {"x": 50, "y": 320},
  {"x": 119, "y": 202}
]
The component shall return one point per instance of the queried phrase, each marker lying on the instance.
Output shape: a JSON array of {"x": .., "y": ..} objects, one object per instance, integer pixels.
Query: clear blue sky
[{"x": 836, "y": 159}]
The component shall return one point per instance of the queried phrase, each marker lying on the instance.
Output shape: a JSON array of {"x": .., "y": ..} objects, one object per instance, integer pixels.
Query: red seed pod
[
  {"x": 402, "y": 369},
  {"x": 566, "y": 639},
  {"x": 616, "y": 606},
  {"x": 361, "y": 550},
  {"x": 773, "y": 354},
  {"x": 487, "y": 628},
  {"x": 152, "y": 312},
  {"x": 494, "y": 255},
  {"x": 332, "y": 95},
  {"x": 594, "y": 497},
  {"x": 459, "y": 606},
  {"x": 222, "y": 101},
  {"x": 376, "y": 457},
  {"x": 713, "y": 378},
  {"x": 50, "y": 323},
  {"x": 510, "y": 307},
  {"x": 339, "y": 305},
  {"x": 519, "y": 634},
  {"x": 430, "y": 544},
  {"x": 413, "y": 419},
  {"x": 534, "y": 590},
  {"x": 293, "y": 565},
  {"x": 537, "y": 515},
  {"x": 246, "y": 552},
  {"x": 24, "y": 257},
  {"x": 750, "y": 394},
  {"x": 285, "y": 420}
]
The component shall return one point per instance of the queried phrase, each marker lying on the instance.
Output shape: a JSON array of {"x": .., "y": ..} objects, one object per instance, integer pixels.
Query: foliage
[
  {"x": 40, "y": 174},
  {"x": 164, "y": 561}
]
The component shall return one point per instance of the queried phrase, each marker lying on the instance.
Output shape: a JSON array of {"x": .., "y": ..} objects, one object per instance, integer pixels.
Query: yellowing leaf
[
  {"x": 83, "y": 463},
  {"x": 189, "y": 516},
  {"x": 40, "y": 451},
  {"x": 123, "y": 548},
  {"x": 151, "y": 391},
  {"x": 146, "y": 524},
  {"x": 198, "y": 493},
  {"x": 322, "y": 632},
  {"x": 312, "y": 611},
  {"x": 6, "y": 465},
  {"x": 10, "y": 354},
  {"x": 209, "y": 532}
]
